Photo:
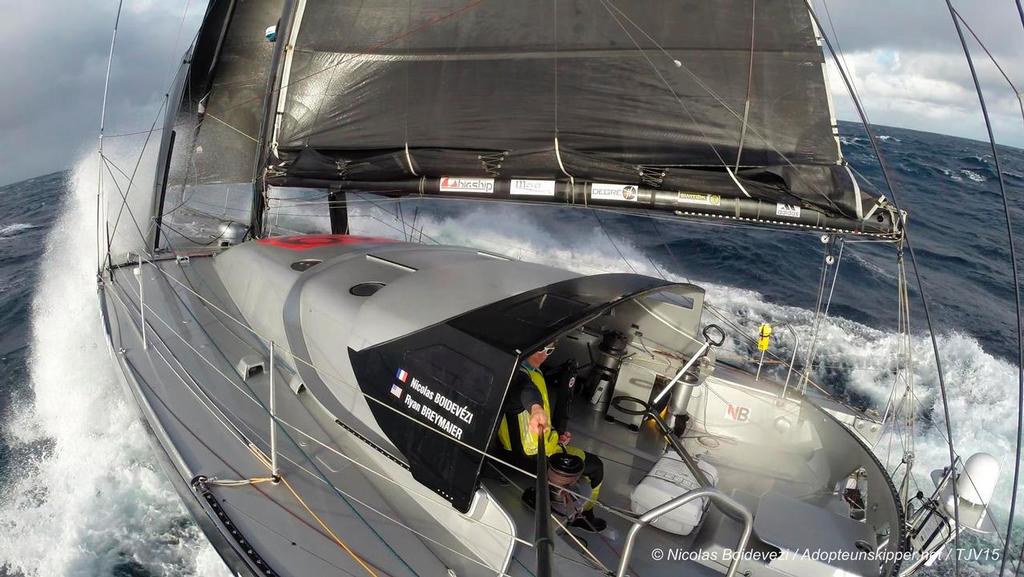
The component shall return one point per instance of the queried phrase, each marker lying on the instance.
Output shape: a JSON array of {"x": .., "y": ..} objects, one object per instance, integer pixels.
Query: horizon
[
  {"x": 905, "y": 61},
  {"x": 856, "y": 123}
]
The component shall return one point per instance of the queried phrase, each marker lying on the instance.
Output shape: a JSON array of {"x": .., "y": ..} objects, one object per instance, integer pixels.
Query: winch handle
[{"x": 709, "y": 330}]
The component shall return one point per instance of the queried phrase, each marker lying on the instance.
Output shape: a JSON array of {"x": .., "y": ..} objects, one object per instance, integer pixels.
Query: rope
[
  {"x": 340, "y": 380},
  {"x": 253, "y": 448},
  {"x": 1016, "y": 285},
  {"x": 679, "y": 64},
  {"x": 334, "y": 536},
  {"x": 819, "y": 313},
  {"x": 261, "y": 457},
  {"x": 608, "y": 7},
  {"x": 750, "y": 82},
  {"x": 917, "y": 275},
  {"x": 239, "y": 131}
]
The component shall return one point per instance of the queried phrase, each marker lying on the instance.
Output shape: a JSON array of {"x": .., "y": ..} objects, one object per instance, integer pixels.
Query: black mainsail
[{"x": 676, "y": 101}]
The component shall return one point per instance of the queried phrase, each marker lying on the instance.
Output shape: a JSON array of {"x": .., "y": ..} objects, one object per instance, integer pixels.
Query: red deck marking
[{"x": 307, "y": 241}]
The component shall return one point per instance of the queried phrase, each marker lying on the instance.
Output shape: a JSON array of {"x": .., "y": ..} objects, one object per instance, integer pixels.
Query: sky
[{"x": 906, "y": 62}]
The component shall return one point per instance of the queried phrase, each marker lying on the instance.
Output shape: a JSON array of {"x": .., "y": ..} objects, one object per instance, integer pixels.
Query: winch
[{"x": 564, "y": 471}]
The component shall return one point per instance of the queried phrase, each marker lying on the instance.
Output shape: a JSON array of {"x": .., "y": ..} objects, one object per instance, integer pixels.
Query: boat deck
[
  {"x": 336, "y": 513},
  {"x": 786, "y": 484},
  {"x": 202, "y": 415}
]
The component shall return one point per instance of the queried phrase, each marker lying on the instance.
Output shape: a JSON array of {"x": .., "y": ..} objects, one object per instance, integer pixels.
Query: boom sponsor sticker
[
  {"x": 462, "y": 184},
  {"x": 602, "y": 191},
  {"x": 526, "y": 187},
  {"x": 699, "y": 199},
  {"x": 790, "y": 210}
]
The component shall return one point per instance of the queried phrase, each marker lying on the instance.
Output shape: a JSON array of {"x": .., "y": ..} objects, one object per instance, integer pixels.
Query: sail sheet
[{"x": 646, "y": 91}]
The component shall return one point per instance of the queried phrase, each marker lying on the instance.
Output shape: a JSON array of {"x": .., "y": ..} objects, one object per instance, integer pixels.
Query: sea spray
[{"x": 91, "y": 500}]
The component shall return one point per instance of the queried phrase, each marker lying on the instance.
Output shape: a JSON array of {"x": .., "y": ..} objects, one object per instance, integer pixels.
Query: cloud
[
  {"x": 910, "y": 71},
  {"x": 928, "y": 91},
  {"x": 905, "y": 56},
  {"x": 54, "y": 58}
]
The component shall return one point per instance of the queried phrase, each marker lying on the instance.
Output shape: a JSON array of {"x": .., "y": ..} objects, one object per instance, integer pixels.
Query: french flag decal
[{"x": 402, "y": 375}]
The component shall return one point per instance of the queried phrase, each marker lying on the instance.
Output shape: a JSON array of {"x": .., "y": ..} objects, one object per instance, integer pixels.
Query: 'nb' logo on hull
[{"x": 737, "y": 413}]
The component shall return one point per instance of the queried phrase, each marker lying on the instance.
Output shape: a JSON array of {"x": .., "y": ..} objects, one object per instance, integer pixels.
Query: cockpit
[{"x": 701, "y": 455}]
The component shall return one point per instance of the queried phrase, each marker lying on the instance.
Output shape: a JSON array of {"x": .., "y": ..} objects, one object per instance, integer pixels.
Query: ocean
[{"x": 81, "y": 495}]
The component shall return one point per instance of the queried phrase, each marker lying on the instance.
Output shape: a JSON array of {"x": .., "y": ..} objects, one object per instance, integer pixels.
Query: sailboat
[{"x": 327, "y": 403}]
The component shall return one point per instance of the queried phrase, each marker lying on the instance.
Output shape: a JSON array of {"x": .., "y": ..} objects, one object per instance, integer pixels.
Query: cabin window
[{"x": 545, "y": 310}]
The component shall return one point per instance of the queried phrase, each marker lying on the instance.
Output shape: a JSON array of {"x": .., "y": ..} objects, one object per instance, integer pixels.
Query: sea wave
[
  {"x": 88, "y": 499},
  {"x": 974, "y": 176},
  {"x": 11, "y": 230}
]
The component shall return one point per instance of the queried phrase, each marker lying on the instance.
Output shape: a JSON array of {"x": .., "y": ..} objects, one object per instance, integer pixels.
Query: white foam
[
  {"x": 96, "y": 501},
  {"x": 972, "y": 175},
  {"x": 13, "y": 229},
  {"x": 953, "y": 177}
]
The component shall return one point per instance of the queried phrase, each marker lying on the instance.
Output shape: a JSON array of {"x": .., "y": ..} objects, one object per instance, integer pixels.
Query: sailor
[{"x": 527, "y": 413}]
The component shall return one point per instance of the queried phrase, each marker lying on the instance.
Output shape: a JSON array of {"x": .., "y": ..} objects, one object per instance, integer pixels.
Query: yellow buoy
[{"x": 764, "y": 334}]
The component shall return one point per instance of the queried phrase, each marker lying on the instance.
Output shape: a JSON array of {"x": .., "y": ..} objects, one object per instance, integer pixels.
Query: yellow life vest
[{"x": 528, "y": 440}]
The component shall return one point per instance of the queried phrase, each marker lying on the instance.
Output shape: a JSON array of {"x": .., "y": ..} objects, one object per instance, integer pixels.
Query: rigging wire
[
  {"x": 750, "y": 83},
  {"x": 1016, "y": 92},
  {"x": 149, "y": 133},
  {"x": 819, "y": 315},
  {"x": 100, "y": 220},
  {"x": 924, "y": 299},
  {"x": 215, "y": 402},
  {"x": 124, "y": 203},
  {"x": 340, "y": 379},
  {"x": 318, "y": 475},
  {"x": 218, "y": 414},
  {"x": 609, "y": 5},
  {"x": 835, "y": 35},
  {"x": 1020, "y": 10},
  {"x": 226, "y": 422},
  {"x": 1016, "y": 279}
]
